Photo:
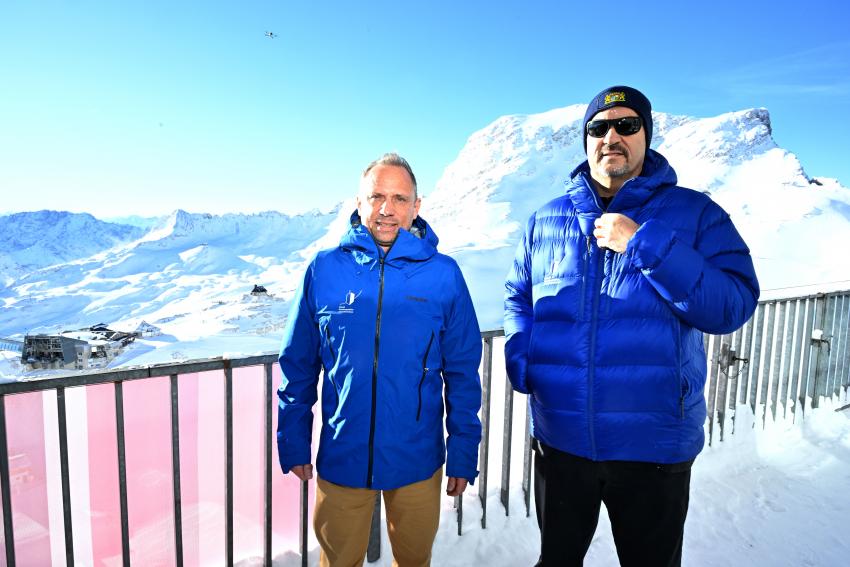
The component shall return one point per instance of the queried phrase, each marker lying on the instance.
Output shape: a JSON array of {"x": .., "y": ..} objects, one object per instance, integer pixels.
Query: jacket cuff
[
  {"x": 462, "y": 463},
  {"x": 650, "y": 244},
  {"x": 289, "y": 459}
]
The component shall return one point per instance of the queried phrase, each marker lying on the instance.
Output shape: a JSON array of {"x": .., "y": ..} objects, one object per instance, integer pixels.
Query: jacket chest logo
[
  {"x": 347, "y": 305},
  {"x": 551, "y": 276}
]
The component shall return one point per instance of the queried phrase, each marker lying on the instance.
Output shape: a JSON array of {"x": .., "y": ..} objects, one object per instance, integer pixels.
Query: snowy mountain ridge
[
  {"x": 190, "y": 274},
  {"x": 30, "y": 241}
]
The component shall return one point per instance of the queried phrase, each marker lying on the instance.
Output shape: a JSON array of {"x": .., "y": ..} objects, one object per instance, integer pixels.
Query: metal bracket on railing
[
  {"x": 729, "y": 357},
  {"x": 819, "y": 338}
]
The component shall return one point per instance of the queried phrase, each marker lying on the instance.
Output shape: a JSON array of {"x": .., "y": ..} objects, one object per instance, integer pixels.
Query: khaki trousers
[{"x": 342, "y": 518}]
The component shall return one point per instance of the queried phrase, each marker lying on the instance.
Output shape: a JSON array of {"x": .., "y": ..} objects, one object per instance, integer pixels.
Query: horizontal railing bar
[
  {"x": 802, "y": 297},
  {"x": 127, "y": 374},
  {"x": 492, "y": 333}
]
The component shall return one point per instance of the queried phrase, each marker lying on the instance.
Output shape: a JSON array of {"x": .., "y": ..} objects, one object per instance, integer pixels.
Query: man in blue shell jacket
[
  {"x": 612, "y": 287},
  {"x": 389, "y": 322}
]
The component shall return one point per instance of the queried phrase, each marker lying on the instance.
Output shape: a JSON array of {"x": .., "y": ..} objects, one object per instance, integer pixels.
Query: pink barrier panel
[
  {"x": 93, "y": 466},
  {"x": 101, "y": 459},
  {"x": 28, "y": 479}
]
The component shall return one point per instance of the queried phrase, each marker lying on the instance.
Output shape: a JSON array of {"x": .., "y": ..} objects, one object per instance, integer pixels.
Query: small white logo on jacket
[{"x": 347, "y": 306}]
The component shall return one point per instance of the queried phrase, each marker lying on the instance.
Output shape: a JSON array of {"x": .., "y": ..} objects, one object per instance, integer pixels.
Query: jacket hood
[{"x": 417, "y": 244}]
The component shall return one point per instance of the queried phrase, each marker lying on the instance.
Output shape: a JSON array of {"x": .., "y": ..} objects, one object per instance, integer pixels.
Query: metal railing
[
  {"x": 790, "y": 354},
  {"x": 793, "y": 352},
  {"x": 118, "y": 378}
]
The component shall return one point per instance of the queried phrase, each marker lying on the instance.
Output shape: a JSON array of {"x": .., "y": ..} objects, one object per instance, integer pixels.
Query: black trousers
[{"x": 647, "y": 504}]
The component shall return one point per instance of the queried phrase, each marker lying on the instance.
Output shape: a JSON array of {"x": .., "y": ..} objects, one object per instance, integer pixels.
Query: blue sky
[{"x": 131, "y": 107}]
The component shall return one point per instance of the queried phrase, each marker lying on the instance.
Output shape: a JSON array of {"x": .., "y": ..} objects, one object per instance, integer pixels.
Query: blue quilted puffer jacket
[
  {"x": 390, "y": 333},
  {"x": 610, "y": 346}
]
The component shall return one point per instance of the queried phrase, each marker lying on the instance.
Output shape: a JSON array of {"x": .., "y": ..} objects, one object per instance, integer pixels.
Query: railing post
[
  {"x": 712, "y": 363},
  {"x": 817, "y": 344},
  {"x": 5, "y": 488},
  {"x": 66, "y": 481},
  {"x": 780, "y": 386},
  {"x": 373, "y": 552},
  {"x": 175, "y": 472},
  {"x": 526, "y": 460},
  {"x": 302, "y": 524},
  {"x": 839, "y": 346},
  {"x": 806, "y": 352},
  {"x": 724, "y": 361},
  {"x": 506, "y": 447},
  {"x": 122, "y": 473},
  {"x": 769, "y": 337},
  {"x": 269, "y": 464},
  {"x": 228, "y": 466},
  {"x": 755, "y": 358},
  {"x": 741, "y": 362},
  {"x": 790, "y": 394},
  {"x": 773, "y": 360},
  {"x": 459, "y": 508},
  {"x": 484, "y": 449},
  {"x": 845, "y": 351}
]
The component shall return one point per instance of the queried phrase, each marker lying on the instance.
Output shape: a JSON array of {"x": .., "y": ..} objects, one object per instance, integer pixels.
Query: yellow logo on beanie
[{"x": 615, "y": 97}]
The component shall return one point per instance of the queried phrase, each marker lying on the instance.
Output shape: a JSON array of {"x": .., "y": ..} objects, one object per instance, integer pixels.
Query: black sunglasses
[{"x": 625, "y": 126}]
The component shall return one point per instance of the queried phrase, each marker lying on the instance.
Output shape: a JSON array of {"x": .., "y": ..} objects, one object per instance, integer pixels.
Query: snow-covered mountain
[
  {"x": 191, "y": 274},
  {"x": 30, "y": 241}
]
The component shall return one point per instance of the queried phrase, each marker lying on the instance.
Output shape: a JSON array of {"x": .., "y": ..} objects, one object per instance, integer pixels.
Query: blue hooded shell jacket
[
  {"x": 609, "y": 346},
  {"x": 390, "y": 332}
]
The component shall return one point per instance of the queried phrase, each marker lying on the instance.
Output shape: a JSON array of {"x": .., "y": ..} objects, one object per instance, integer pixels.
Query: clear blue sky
[{"x": 141, "y": 107}]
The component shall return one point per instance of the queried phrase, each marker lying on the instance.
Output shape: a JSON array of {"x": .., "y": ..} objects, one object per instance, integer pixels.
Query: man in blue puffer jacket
[
  {"x": 612, "y": 287},
  {"x": 390, "y": 323}
]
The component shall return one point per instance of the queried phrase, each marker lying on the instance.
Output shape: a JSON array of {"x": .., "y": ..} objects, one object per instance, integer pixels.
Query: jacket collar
[
  {"x": 656, "y": 173},
  {"x": 415, "y": 245}
]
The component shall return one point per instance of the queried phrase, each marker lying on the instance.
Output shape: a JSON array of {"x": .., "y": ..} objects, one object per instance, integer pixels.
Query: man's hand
[
  {"x": 304, "y": 472},
  {"x": 613, "y": 231},
  {"x": 455, "y": 486}
]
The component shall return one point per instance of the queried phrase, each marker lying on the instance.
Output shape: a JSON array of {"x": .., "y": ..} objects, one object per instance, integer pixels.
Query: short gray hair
[{"x": 393, "y": 158}]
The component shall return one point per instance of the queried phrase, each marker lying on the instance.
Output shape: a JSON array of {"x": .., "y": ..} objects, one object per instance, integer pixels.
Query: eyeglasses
[{"x": 625, "y": 126}]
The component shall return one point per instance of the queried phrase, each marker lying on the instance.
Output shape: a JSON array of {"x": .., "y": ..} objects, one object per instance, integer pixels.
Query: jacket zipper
[
  {"x": 591, "y": 371},
  {"x": 584, "y": 279},
  {"x": 424, "y": 372},
  {"x": 609, "y": 266},
  {"x": 369, "y": 472},
  {"x": 333, "y": 360}
]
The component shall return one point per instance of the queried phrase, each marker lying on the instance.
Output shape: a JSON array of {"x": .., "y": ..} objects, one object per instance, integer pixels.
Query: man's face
[
  {"x": 387, "y": 202},
  {"x": 613, "y": 158}
]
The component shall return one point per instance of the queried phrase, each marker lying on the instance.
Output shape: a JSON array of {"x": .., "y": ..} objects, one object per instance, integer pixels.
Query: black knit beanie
[{"x": 620, "y": 96}]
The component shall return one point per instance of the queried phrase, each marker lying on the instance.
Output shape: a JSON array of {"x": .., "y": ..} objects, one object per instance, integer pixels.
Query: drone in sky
[{"x": 271, "y": 35}]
